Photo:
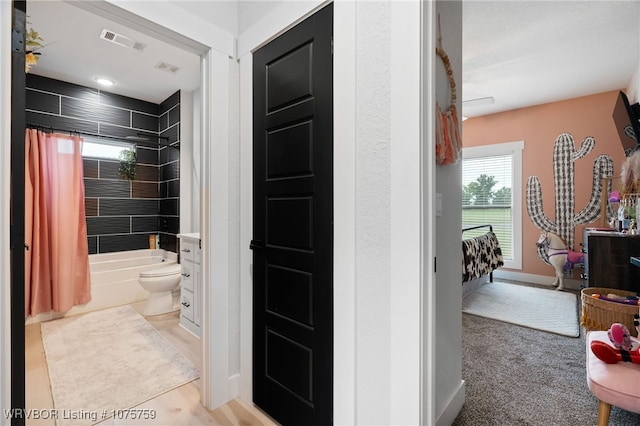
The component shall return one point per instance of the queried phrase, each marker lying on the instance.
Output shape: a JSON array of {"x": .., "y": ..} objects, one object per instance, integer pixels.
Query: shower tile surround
[{"x": 121, "y": 214}]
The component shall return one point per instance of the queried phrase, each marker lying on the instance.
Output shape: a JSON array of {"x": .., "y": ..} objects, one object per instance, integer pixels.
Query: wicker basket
[{"x": 599, "y": 314}]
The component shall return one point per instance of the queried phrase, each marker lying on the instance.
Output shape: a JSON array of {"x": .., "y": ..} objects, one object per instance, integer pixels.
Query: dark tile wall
[
  {"x": 169, "y": 178},
  {"x": 121, "y": 214}
]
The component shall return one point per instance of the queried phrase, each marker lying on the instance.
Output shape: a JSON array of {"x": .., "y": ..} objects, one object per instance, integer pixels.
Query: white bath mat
[
  {"x": 547, "y": 310},
  {"x": 108, "y": 360}
]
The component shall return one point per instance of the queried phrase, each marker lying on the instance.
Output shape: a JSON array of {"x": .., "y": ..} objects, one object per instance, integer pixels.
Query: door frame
[
  {"x": 345, "y": 398},
  {"x": 413, "y": 370},
  {"x": 216, "y": 48}
]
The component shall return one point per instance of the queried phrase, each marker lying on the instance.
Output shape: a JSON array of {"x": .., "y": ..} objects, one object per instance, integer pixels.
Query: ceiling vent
[
  {"x": 163, "y": 66},
  {"x": 478, "y": 101},
  {"x": 121, "y": 40}
]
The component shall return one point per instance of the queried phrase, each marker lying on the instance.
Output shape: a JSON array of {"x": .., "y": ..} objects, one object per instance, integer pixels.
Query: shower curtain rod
[{"x": 139, "y": 137}]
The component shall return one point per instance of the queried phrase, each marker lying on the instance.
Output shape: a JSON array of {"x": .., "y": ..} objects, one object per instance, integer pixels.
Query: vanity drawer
[
  {"x": 186, "y": 305},
  {"x": 187, "y": 251},
  {"x": 187, "y": 276}
]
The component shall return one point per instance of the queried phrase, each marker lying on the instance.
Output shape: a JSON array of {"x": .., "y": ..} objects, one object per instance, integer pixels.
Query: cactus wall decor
[{"x": 564, "y": 157}]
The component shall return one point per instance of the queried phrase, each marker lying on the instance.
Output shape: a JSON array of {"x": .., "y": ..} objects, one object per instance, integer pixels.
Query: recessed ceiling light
[{"x": 105, "y": 81}]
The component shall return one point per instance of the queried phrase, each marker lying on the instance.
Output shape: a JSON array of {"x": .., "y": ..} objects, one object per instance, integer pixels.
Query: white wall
[
  {"x": 450, "y": 394},
  {"x": 251, "y": 12},
  {"x": 236, "y": 244},
  {"x": 633, "y": 91}
]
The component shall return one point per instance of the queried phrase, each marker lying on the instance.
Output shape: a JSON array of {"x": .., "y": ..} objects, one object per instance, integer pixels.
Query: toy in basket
[{"x": 602, "y": 307}]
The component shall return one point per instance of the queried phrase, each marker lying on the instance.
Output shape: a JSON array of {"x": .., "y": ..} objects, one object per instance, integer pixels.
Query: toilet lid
[{"x": 162, "y": 271}]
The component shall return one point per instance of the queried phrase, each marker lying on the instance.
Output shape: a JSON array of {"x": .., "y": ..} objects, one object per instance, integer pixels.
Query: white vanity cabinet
[{"x": 191, "y": 291}]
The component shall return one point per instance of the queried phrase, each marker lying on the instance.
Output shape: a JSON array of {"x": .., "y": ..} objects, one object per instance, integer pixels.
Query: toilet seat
[{"x": 161, "y": 271}]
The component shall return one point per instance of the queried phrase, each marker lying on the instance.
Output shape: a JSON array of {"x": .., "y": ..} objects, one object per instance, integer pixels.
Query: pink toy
[
  {"x": 611, "y": 355},
  {"x": 560, "y": 256},
  {"x": 620, "y": 338}
]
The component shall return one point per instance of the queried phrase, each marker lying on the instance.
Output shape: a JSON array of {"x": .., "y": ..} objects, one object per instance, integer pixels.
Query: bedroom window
[{"x": 492, "y": 194}]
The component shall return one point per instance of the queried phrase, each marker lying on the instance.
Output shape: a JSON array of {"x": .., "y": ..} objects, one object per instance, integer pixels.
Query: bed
[{"x": 481, "y": 254}]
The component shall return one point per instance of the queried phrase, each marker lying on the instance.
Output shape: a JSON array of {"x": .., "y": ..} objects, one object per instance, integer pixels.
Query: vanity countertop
[{"x": 192, "y": 235}]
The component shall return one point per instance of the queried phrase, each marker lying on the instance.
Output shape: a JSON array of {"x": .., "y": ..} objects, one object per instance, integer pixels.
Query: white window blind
[{"x": 491, "y": 194}]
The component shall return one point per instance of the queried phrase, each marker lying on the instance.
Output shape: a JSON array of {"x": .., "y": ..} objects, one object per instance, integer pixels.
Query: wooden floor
[{"x": 180, "y": 406}]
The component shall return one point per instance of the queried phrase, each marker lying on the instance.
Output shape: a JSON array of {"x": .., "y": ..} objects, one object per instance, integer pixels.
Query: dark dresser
[{"x": 608, "y": 260}]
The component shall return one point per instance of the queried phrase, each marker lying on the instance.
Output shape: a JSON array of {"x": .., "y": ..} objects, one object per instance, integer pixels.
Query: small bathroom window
[{"x": 109, "y": 150}]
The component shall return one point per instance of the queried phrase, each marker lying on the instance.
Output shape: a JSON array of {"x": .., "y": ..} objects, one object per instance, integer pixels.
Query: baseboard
[
  {"x": 570, "y": 283},
  {"x": 234, "y": 385},
  {"x": 453, "y": 407}
]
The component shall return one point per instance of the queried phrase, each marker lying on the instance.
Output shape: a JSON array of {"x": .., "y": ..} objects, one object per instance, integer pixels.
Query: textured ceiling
[{"x": 525, "y": 53}]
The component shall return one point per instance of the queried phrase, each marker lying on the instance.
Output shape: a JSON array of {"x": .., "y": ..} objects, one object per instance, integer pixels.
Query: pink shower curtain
[{"x": 57, "y": 260}]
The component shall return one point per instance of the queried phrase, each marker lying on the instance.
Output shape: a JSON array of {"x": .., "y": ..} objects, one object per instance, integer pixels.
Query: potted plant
[
  {"x": 127, "y": 169},
  {"x": 32, "y": 43}
]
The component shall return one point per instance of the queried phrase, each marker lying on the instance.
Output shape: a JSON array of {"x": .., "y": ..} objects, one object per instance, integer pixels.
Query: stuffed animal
[
  {"x": 626, "y": 348},
  {"x": 620, "y": 337}
]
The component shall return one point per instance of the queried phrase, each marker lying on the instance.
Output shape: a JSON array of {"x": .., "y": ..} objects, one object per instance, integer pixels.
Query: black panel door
[
  {"x": 293, "y": 224},
  {"x": 18, "y": 83}
]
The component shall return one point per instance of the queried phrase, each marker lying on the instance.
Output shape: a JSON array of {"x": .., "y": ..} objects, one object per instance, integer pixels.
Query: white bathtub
[{"x": 114, "y": 280}]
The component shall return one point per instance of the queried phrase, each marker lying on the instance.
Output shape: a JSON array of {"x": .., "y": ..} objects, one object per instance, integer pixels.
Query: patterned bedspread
[{"x": 480, "y": 256}]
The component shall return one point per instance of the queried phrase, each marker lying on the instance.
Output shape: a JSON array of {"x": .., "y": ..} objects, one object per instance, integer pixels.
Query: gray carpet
[{"x": 519, "y": 376}]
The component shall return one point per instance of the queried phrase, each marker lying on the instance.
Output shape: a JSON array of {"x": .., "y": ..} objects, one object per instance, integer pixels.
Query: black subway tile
[
  {"x": 133, "y": 207},
  {"x": 146, "y": 173},
  {"x": 95, "y": 112},
  {"x": 144, "y": 121},
  {"x": 119, "y": 132},
  {"x": 102, "y": 225},
  {"x": 169, "y": 207},
  {"x": 145, "y": 224},
  {"x": 174, "y": 115},
  {"x": 144, "y": 189},
  {"x": 169, "y": 103},
  {"x": 164, "y": 190},
  {"x": 93, "y": 245},
  {"x": 120, "y": 101},
  {"x": 108, "y": 169},
  {"x": 163, "y": 122},
  {"x": 173, "y": 133},
  {"x": 147, "y": 155},
  {"x": 174, "y": 188},
  {"x": 61, "y": 87},
  {"x": 91, "y": 206},
  {"x": 60, "y": 123},
  {"x": 113, "y": 243},
  {"x": 169, "y": 171},
  {"x": 169, "y": 242},
  {"x": 169, "y": 154},
  {"x": 100, "y": 188},
  {"x": 90, "y": 168},
  {"x": 170, "y": 224},
  {"x": 44, "y": 102}
]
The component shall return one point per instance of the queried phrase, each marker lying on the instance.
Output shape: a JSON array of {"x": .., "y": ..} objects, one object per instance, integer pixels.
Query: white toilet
[{"x": 163, "y": 285}]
